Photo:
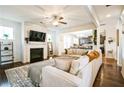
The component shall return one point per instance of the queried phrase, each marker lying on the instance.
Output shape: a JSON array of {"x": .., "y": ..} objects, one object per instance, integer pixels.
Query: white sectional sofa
[{"x": 59, "y": 76}]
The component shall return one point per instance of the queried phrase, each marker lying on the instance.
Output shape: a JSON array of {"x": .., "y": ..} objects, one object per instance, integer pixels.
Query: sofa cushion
[
  {"x": 70, "y": 51},
  {"x": 63, "y": 64},
  {"x": 78, "y": 64},
  {"x": 76, "y": 51}
]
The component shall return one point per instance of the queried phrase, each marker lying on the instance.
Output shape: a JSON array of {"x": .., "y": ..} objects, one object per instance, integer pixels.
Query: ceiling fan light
[
  {"x": 55, "y": 23},
  {"x": 123, "y": 12},
  {"x": 108, "y": 15}
]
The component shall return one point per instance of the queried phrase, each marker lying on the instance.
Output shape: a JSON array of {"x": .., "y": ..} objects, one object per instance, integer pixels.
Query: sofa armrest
[
  {"x": 35, "y": 70},
  {"x": 53, "y": 77}
]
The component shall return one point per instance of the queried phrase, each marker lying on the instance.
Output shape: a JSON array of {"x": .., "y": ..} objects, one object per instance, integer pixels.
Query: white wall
[
  {"x": 99, "y": 29},
  {"x": 55, "y": 40},
  {"x": 59, "y": 42},
  {"x": 119, "y": 48},
  {"x": 110, "y": 31},
  {"x": 121, "y": 44},
  {"x": 69, "y": 40},
  {"x": 17, "y": 37},
  {"x": 122, "y": 71}
]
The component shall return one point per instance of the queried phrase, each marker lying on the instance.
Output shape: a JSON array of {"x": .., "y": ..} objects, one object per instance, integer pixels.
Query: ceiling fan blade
[
  {"x": 102, "y": 24},
  {"x": 61, "y": 18},
  {"x": 108, "y": 5},
  {"x": 62, "y": 22},
  {"x": 41, "y": 22}
]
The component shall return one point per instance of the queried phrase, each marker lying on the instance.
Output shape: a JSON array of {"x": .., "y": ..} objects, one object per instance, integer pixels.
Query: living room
[{"x": 34, "y": 34}]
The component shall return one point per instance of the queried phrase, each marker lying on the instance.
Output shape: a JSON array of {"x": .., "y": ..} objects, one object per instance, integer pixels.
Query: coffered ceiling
[{"x": 74, "y": 15}]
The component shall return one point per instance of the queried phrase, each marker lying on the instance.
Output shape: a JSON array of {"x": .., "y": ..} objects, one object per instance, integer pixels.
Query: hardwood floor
[
  {"x": 109, "y": 74},
  {"x": 3, "y": 79}
]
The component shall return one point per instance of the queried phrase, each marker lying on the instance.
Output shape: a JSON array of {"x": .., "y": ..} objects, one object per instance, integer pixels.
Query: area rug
[{"x": 18, "y": 77}]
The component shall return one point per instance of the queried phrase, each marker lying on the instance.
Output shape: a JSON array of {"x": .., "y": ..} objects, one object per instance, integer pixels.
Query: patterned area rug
[{"x": 18, "y": 77}]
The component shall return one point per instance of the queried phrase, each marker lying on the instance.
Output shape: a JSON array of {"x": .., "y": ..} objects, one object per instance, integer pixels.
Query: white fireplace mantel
[
  {"x": 35, "y": 45},
  {"x": 29, "y": 45}
]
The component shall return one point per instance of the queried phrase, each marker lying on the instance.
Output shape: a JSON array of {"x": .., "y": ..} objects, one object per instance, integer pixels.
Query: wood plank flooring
[
  {"x": 109, "y": 74},
  {"x": 3, "y": 79}
]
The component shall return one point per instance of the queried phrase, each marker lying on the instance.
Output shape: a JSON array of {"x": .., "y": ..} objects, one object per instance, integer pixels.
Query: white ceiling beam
[
  {"x": 39, "y": 7},
  {"x": 122, "y": 15},
  {"x": 79, "y": 28},
  {"x": 93, "y": 15}
]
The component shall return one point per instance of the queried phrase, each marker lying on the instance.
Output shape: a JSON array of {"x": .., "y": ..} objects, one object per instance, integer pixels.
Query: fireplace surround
[{"x": 36, "y": 54}]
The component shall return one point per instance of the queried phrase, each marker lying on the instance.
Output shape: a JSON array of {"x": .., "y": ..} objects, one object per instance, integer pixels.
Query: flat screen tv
[{"x": 36, "y": 36}]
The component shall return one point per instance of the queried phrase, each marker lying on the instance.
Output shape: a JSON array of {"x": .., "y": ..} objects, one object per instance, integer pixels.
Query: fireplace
[{"x": 36, "y": 54}]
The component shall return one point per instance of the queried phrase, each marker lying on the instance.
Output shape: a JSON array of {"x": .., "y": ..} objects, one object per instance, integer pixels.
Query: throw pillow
[
  {"x": 92, "y": 55},
  {"x": 79, "y": 64},
  {"x": 63, "y": 64}
]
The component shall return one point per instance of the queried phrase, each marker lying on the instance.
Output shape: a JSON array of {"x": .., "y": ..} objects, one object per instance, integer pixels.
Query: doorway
[{"x": 102, "y": 42}]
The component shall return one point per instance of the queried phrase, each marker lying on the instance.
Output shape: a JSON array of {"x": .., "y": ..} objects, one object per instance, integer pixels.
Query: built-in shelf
[
  {"x": 5, "y": 55},
  {"x": 6, "y": 52},
  {"x": 6, "y": 44},
  {"x": 6, "y": 61}
]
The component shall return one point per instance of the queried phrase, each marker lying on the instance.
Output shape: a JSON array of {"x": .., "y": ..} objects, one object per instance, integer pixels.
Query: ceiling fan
[
  {"x": 55, "y": 20},
  {"x": 58, "y": 20}
]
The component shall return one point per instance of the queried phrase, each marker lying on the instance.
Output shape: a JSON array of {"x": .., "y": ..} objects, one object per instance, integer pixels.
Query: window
[
  {"x": 67, "y": 41},
  {"x": 6, "y": 32}
]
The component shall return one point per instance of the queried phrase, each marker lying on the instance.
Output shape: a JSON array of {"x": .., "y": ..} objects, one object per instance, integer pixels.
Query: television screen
[{"x": 37, "y": 36}]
